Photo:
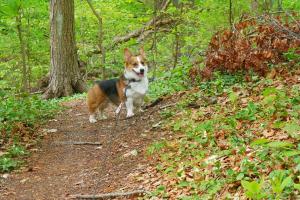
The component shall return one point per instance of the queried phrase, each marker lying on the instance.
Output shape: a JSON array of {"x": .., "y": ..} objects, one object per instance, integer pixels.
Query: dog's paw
[
  {"x": 92, "y": 119},
  {"x": 103, "y": 117},
  {"x": 129, "y": 115}
]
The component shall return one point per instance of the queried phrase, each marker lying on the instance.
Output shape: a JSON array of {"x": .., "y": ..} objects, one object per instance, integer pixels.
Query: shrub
[{"x": 252, "y": 44}]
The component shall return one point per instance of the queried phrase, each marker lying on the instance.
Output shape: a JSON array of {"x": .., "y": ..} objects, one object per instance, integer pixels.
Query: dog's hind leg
[
  {"x": 101, "y": 113},
  {"x": 95, "y": 98},
  {"x": 92, "y": 117}
]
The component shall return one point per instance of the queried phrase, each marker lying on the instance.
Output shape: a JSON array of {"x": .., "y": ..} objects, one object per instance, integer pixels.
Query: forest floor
[
  {"x": 201, "y": 143},
  {"x": 59, "y": 169}
]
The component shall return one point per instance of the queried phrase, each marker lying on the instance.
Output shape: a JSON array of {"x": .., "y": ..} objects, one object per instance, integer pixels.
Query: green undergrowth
[
  {"x": 77, "y": 96},
  {"x": 168, "y": 81},
  {"x": 19, "y": 118},
  {"x": 232, "y": 138}
]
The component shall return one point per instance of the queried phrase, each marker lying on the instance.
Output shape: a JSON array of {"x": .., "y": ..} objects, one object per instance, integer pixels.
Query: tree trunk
[
  {"x": 177, "y": 41},
  {"x": 176, "y": 48},
  {"x": 100, "y": 37},
  {"x": 255, "y": 7},
  {"x": 154, "y": 44},
  {"x": 23, "y": 52},
  {"x": 230, "y": 13},
  {"x": 279, "y": 5},
  {"x": 28, "y": 35},
  {"x": 65, "y": 77}
]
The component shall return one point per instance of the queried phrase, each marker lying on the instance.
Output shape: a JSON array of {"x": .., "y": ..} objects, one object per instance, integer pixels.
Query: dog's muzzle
[{"x": 141, "y": 73}]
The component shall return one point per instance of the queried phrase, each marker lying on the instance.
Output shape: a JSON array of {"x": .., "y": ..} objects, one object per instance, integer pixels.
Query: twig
[
  {"x": 86, "y": 143},
  {"x": 110, "y": 195}
]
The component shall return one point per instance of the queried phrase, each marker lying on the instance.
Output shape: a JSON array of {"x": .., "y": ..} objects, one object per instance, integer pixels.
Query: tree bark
[{"x": 65, "y": 77}]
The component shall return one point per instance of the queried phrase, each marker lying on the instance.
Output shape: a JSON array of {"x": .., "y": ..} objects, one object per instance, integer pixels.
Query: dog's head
[{"x": 135, "y": 66}]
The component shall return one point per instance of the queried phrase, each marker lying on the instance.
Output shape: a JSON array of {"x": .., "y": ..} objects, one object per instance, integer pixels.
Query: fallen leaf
[
  {"x": 54, "y": 130},
  {"x": 5, "y": 176},
  {"x": 24, "y": 180},
  {"x": 131, "y": 153}
]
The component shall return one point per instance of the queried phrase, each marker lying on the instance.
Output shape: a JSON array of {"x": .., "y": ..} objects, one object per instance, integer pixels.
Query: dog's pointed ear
[
  {"x": 142, "y": 52},
  {"x": 127, "y": 54}
]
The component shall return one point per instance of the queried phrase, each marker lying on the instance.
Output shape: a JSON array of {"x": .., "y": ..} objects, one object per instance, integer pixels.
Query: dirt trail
[{"x": 59, "y": 169}]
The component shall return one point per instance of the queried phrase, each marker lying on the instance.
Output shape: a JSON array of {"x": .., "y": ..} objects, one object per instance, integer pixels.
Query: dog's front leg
[
  {"x": 138, "y": 105},
  {"x": 129, "y": 107}
]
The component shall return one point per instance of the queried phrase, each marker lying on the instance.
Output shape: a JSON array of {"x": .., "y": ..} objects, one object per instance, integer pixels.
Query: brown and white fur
[{"x": 130, "y": 88}]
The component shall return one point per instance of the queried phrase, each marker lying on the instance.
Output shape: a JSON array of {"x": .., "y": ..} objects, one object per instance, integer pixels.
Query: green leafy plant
[
  {"x": 21, "y": 114},
  {"x": 248, "y": 113},
  {"x": 292, "y": 128},
  {"x": 7, "y": 164},
  {"x": 155, "y": 147},
  {"x": 16, "y": 151},
  {"x": 292, "y": 54},
  {"x": 275, "y": 102},
  {"x": 279, "y": 181},
  {"x": 254, "y": 190}
]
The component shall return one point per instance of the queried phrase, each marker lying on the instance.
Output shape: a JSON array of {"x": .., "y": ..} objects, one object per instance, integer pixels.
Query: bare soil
[{"x": 58, "y": 169}]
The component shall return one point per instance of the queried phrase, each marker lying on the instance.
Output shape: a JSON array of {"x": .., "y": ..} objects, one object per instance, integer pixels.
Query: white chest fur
[
  {"x": 138, "y": 88},
  {"x": 135, "y": 93}
]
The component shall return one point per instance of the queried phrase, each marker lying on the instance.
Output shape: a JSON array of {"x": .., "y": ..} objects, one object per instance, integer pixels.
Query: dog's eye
[
  {"x": 143, "y": 63},
  {"x": 135, "y": 64}
]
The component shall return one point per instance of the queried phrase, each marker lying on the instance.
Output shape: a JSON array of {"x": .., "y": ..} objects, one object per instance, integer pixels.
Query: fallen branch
[
  {"x": 167, "y": 106},
  {"x": 111, "y": 195},
  {"x": 154, "y": 103},
  {"x": 280, "y": 27},
  {"x": 292, "y": 17},
  {"x": 78, "y": 143}
]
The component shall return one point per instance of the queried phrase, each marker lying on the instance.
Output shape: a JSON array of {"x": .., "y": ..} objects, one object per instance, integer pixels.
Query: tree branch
[
  {"x": 156, "y": 21},
  {"x": 94, "y": 11},
  {"x": 137, "y": 33}
]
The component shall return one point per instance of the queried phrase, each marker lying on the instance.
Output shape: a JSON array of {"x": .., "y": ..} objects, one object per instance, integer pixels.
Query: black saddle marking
[{"x": 109, "y": 87}]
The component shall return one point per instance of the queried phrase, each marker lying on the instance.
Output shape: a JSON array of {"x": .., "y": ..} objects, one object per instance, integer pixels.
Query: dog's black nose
[{"x": 142, "y": 71}]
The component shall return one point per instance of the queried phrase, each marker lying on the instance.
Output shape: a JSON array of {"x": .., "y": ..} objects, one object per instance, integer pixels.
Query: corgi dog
[{"x": 129, "y": 89}]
